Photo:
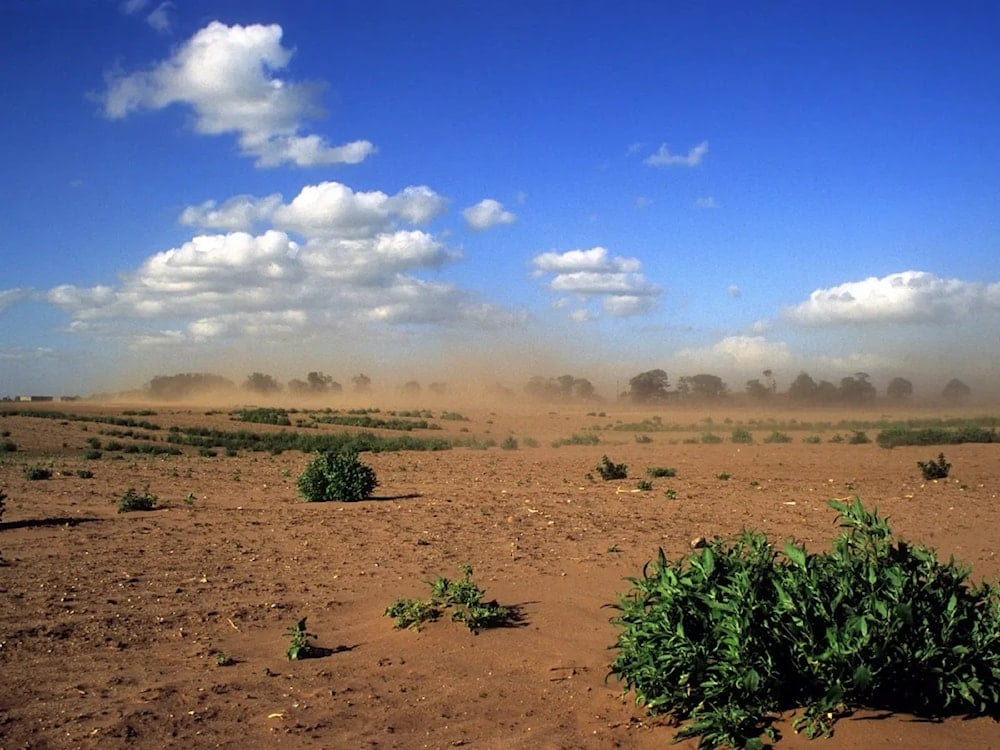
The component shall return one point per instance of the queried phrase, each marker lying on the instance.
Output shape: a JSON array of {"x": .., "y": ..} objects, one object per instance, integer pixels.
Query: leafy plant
[
  {"x": 132, "y": 500},
  {"x": 858, "y": 438},
  {"x": 463, "y": 597},
  {"x": 337, "y": 476},
  {"x": 222, "y": 659},
  {"x": 37, "y": 473},
  {"x": 710, "y": 438},
  {"x": 644, "y": 485},
  {"x": 609, "y": 470},
  {"x": 299, "y": 646},
  {"x": 92, "y": 454},
  {"x": 661, "y": 471},
  {"x": 733, "y": 633},
  {"x": 670, "y": 494},
  {"x": 85, "y": 473},
  {"x": 509, "y": 443},
  {"x": 812, "y": 439},
  {"x": 742, "y": 435},
  {"x": 8, "y": 446},
  {"x": 935, "y": 469},
  {"x": 778, "y": 437},
  {"x": 723, "y": 476}
]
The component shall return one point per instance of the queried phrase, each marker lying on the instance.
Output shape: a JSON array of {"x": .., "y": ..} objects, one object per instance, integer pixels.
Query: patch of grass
[
  {"x": 37, "y": 473},
  {"x": 85, "y": 473},
  {"x": 263, "y": 416},
  {"x": 935, "y": 469},
  {"x": 8, "y": 446},
  {"x": 858, "y": 438},
  {"x": 966, "y": 433},
  {"x": 337, "y": 476},
  {"x": 724, "y": 476},
  {"x": 582, "y": 438},
  {"x": 609, "y": 470},
  {"x": 670, "y": 494},
  {"x": 812, "y": 439},
  {"x": 644, "y": 485},
  {"x": 731, "y": 634},
  {"x": 92, "y": 454},
  {"x": 132, "y": 501},
  {"x": 509, "y": 443},
  {"x": 710, "y": 438},
  {"x": 657, "y": 472}
]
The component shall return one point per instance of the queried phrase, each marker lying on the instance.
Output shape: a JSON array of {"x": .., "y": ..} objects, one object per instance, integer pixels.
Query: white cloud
[
  {"x": 734, "y": 291},
  {"x": 643, "y": 202},
  {"x": 592, "y": 274},
  {"x": 159, "y": 18},
  {"x": 226, "y": 75},
  {"x": 9, "y": 296},
  {"x": 239, "y": 213},
  {"x": 663, "y": 157},
  {"x": 906, "y": 297},
  {"x": 706, "y": 203},
  {"x": 353, "y": 267},
  {"x": 486, "y": 214}
]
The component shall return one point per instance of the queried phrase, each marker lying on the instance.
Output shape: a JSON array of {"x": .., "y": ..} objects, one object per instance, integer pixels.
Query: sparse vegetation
[
  {"x": 935, "y": 469},
  {"x": 463, "y": 598},
  {"x": 581, "y": 438},
  {"x": 657, "y": 472},
  {"x": 132, "y": 501},
  {"x": 37, "y": 473},
  {"x": 733, "y": 633},
  {"x": 778, "y": 437},
  {"x": 337, "y": 476},
  {"x": 609, "y": 470},
  {"x": 644, "y": 485},
  {"x": 299, "y": 646},
  {"x": 742, "y": 435},
  {"x": 509, "y": 443}
]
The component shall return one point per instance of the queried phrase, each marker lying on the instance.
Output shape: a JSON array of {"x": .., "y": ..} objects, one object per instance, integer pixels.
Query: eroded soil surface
[{"x": 113, "y": 625}]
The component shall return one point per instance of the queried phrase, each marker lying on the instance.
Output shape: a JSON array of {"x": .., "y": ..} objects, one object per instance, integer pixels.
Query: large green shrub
[
  {"x": 337, "y": 476},
  {"x": 733, "y": 633}
]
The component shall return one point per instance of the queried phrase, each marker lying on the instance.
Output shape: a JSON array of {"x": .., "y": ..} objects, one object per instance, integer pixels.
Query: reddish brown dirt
[{"x": 112, "y": 624}]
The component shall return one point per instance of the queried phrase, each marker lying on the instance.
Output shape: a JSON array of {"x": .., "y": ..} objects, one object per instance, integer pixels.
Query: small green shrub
[
  {"x": 337, "y": 476},
  {"x": 724, "y": 476},
  {"x": 8, "y": 446},
  {"x": 644, "y": 485},
  {"x": 92, "y": 454},
  {"x": 858, "y": 438},
  {"x": 463, "y": 597},
  {"x": 132, "y": 500},
  {"x": 731, "y": 634},
  {"x": 778, "y": 437},
  {"x": 299, "y": 646},
  {"x": 609, "y": 470},
  {"x": 812, "y": 439},
  {"x": 657, "y": 472},
  {"x": 710, "y": 438},
  {"x": 85, "y": 473},
  {"x": 935, "y": 469},
  {"x": 37, "y": 473},
  {"x": 643, "y": 439},
  {"x": 742, "y": 435},
  {"x": 509, "y": 443},
  {"x": 670, "y": 494}
]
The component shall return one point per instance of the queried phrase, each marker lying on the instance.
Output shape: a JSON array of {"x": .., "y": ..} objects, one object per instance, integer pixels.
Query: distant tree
[
  {"x": 318, "y": 382},
  {"x": 258, "y": 382},
  {"x": 856, "y": 389},
  {"x": 956, "y": 391},
  {"x": 584, "y": 390},
  {"x": 899, "y": 389},
  {"x": 438, "y": 389},
  {"x": 757, "y": 390},
  {"x": 362, "y": 383},
  {"x": 411, "y": 388},
  {"x": 826, "y": 393},
  {"x": 315, "y": 384},
  {"x": 649, "y": 386},
  {"x": 702, "y": 386},
  {"x": 802, "y": 389},
  {"x": 563, "y": 388},
  {"x": 187, "y": 384}
]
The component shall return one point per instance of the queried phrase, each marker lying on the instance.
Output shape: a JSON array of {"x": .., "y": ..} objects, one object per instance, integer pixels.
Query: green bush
[
  {"x": 731, "y": 634},
  {"x": 742, "y": 435},
  {"x": 935, "y": 469},
  {"x": 858, "y": 438},
  {"x": 778, "y": 437},
  {"x": 132, "y": 500},
  {"x": 609, "y": 470},
  {"x": 463, "y": 597},
  {"x": 657, "y": 472},
  {"x": 37, "y": 473},
  {"x": 337, "y": 476},
  {"x": 509, "y": 443}
]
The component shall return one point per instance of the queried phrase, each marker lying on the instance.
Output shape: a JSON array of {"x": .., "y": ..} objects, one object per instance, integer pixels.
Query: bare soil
[{"x": 112, "y": 625}]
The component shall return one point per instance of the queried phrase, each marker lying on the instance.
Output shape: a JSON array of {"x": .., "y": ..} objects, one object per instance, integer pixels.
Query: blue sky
[{"x": 493, "y": 191}]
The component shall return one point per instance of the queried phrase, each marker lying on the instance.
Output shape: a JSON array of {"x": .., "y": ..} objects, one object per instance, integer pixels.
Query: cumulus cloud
[
  {"x": 226, "y": 75},
  {"x": 486, "y": 214},
  {"x": 328, "y": 209},
  {"x": 664, "y": 158},
  {"x": 589, "y": 275},
  {"x": 331, "y": 258},
  {"x": 906, "y": 297}
]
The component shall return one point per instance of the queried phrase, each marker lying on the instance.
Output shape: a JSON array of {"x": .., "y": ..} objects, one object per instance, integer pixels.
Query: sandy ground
[{"x": 112, "y": 625}]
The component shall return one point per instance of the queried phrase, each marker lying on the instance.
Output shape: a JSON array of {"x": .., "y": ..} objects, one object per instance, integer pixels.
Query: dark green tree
[
  {"x": 899, "y": 389},
  {"x": 649, "y": 386},
  {"x": 258, "y": 382},
  {"x": 955, "y": 392}
]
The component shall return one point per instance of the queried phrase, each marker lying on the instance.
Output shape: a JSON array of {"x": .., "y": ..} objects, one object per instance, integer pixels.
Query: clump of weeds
[
  {"x": 609, "y": 470},
  {"x": 935, "y": 469},
  {"x": 462, "y": 597},
  {"x": 132, "y": 500}
]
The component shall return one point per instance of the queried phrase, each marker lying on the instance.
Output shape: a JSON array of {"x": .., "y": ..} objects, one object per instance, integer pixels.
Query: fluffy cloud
[
  {"x": 158, "y": 18},
  {"x": 353, "y": 266},
  {"x": 329, "y": 209},
  {"x": 226, "y": 75},
  {"x": 907, "y": 297},
  {"x": 594, "y": 275},
  {"x": 486, "y": 214},
  {"x": 664, "y": 158}
]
